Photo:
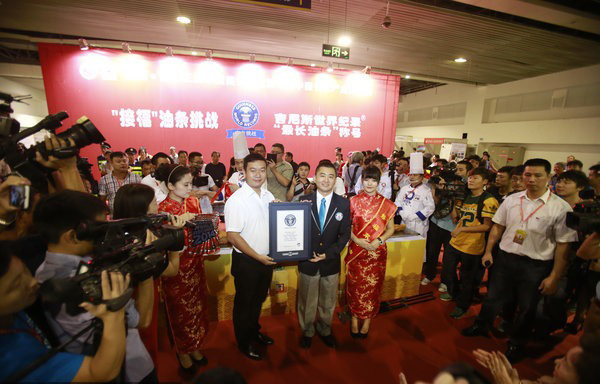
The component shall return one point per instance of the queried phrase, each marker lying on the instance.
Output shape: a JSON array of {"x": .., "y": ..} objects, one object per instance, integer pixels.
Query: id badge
[{"x": 520, "y": 236}]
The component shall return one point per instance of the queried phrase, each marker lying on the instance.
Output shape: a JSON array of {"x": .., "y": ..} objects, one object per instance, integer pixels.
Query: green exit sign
[{"x": 336, "y": 51}]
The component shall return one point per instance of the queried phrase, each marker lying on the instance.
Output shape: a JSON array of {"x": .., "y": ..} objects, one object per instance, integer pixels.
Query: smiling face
[
  {"x": 256, "y": 173},
  {"x": 370, "y": 186},
  {"x": 324, "y": 178}
]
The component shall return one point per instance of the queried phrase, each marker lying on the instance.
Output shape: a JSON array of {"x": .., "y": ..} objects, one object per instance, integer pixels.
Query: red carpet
[{"x": 418, "y": 341}]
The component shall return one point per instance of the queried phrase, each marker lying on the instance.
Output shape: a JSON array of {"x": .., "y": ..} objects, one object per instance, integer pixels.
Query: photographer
[
  {"x": 58, "y": 218},
  {"x": 21, "y": 342},
  {"x": 438, "y": 234},
  {"x": 203, "y": 185},
  {"x": 300, "y": 185}
]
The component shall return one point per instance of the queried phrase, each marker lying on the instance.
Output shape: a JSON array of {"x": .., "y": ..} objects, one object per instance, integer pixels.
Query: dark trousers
[
  {"x": 519, "y": 277},
  {"x": 252, "y": 281},
  {"x": 436, "y": 237},
  {"x": 462, "y": 289}
]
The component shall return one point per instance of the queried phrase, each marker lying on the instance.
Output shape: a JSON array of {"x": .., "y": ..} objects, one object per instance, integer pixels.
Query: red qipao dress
[
  {"x": 365, "y": 270},
  {"x": 185, "y": 294}
]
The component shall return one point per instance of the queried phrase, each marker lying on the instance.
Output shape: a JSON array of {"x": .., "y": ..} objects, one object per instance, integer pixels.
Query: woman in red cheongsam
[
  {"x": 372, "y": 224},
  {"x": 184, "y": 293}
]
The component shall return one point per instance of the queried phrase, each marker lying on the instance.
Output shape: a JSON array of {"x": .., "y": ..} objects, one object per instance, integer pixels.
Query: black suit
[
  {"x": 318, "y": 282},
  {"x": 335, "y": 236}
]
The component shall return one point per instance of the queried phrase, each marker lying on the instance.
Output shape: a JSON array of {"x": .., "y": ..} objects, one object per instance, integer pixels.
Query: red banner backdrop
[{"x": 195, "y": 104}]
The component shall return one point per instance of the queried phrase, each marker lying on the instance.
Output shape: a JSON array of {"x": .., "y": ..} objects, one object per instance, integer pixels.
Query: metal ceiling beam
[{"x": 542, "y": 11}]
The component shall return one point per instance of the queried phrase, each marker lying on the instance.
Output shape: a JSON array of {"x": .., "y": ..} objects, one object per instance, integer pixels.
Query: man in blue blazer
[{"x": 319, "y": 276}]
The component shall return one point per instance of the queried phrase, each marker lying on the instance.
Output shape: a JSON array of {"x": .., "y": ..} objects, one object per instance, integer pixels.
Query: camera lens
[{"x": 83, "y": 133}]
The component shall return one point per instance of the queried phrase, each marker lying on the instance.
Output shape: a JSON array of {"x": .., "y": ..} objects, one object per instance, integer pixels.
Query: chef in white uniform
[{"x": 415, "y": 200}]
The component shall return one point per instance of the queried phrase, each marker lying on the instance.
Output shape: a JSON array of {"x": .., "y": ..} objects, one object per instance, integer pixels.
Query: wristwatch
[{"x": 381, "y": 242}]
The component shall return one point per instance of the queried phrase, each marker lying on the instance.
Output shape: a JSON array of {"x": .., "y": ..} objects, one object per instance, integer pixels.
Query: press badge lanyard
[{"x": 524, "y": 220}]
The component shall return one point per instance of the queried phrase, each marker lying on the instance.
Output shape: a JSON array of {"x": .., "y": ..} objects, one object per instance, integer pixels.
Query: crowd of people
[{"x": 509, "y": 224}]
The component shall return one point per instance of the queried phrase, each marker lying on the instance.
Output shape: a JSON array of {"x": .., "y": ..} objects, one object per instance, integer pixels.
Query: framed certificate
[{"x": 289, "y": 231}]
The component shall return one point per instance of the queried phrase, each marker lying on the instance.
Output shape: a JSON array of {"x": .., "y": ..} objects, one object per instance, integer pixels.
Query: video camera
[
  {"x": 585, "y": 217},
  {"x": 120, "y": 246},
  {"x": 22, "y": 161},
  {"x": 454, "y": 188}
]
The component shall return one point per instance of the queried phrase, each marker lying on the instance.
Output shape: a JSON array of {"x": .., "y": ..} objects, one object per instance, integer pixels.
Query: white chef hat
[
  {"x": 240, "y": 145},
  {"x": 416, "y": 163}
]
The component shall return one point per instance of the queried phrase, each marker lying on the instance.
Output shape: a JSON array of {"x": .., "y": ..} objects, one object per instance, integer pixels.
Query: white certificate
[{"x": 290, "y": 231}]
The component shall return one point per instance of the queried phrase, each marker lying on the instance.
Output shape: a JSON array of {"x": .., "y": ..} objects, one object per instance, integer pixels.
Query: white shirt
[
  {"x": 160, "y": 189},
  {"x": 384, "y": 187},
  {"x": 237, "y": 178},
  {"x": 546, "y": 227},
  {"x": 205, "y": 204},
  {"x": 248, "y": 214},
  {"x": 339, "y": 186},
  {"x": 327, "y": 202},
  {"x": 402, "y": 178}
]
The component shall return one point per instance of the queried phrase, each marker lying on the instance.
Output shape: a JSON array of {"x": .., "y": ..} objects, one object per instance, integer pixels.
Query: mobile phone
[
  {"x": 20, "y": 196},
  {"x": 272, "y": 157}
]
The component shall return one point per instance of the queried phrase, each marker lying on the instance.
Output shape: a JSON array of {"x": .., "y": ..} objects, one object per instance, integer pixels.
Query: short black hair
[
  {"x": 443, "y": 161},
  {"x": 506, "y": 169},
  {"x": 290, "y": 154},
  {"x": 59, "y": 212},
  {"x": 325, "y": 163},
  {"x": 304, "y": 164},
  {"x": 575, "y": 163},
  {"x": 371, "y": 172},
  {"x": 537, "y": 162},
  {"x": 171, "y": 173},
  {"x": 517, "y": 171},
  {"x": 252, "y": 158},
  {"x": 145, "y": 162},
  {"x": 405, "y": 159},
  {"x": 182, "y": 151},
  {"x": 381, "y": 158},
  {"x": 215, "y": 152},
  {"x": 481, "y": 171},
  {"x": 280, "y": 146},
  {"x": 159, "y": 155},
  {"x": 595, "y": 168},
  {"x": 132, "y": 200},
  {"x": 116, "y": 154},
  {"x": 474, "y": 157},
  {"x": 578, "y": 177},
  {"x": 466, "y": 163},
  {"x": 259, "y": 145},
  {"x": 194, "y": 154}
]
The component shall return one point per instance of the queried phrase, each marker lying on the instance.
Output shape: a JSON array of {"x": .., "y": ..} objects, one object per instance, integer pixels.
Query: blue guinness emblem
[
  {"x": 290, "y": 220},
  {"x": 245, "y": 114}
]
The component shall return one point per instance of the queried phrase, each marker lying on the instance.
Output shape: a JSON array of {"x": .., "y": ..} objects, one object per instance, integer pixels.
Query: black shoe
[
  {"x": 363, "y": 335},
  {"x": 475, "y": 330},
  {"x": 514, "y": 353},
  {"x": 264, "y": 339},
  {"x": 329, "y": 340},
  {"x": 203, "y": 361},
  {"x": 355, "y": 335},
  {"x": 252, "y": 353},
  {"x": 305, "y": 342},
  {"x": 187, "y": 372}
]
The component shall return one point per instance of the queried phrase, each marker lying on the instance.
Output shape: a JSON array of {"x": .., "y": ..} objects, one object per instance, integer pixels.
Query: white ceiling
[{"x": 423, "y": 39}]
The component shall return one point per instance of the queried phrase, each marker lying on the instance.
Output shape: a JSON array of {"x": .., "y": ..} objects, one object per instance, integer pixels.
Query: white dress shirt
[
  {"x": 160, "y": 189},
  {"x": 546, "y": 227},
  {"x": 327, "y": 202},
  {"x": 248, "y": 214}
]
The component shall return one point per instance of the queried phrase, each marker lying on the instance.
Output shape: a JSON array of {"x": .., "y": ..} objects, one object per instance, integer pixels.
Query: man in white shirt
[
  {"x": 247, "y": 226},
  {"x": 160, "y": 189},
  {"x": 385, "y": 183},
  {"x": 534, "y": 242}
]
